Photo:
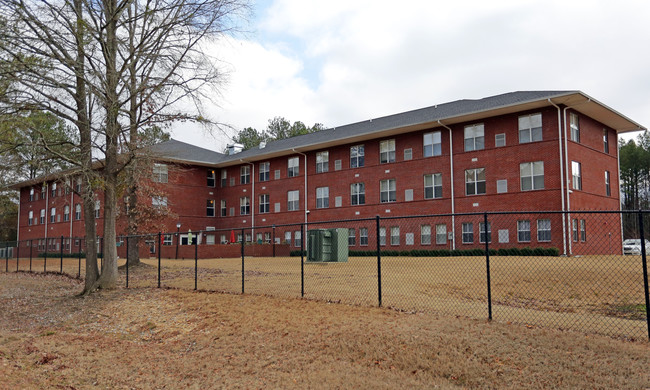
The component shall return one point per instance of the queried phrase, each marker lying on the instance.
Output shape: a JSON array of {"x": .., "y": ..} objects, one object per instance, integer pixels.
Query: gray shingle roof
[{"x": 181, "y": 151}]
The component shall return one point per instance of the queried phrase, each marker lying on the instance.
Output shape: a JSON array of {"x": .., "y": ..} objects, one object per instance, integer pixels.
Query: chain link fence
[{"x": 582, "y": 271}]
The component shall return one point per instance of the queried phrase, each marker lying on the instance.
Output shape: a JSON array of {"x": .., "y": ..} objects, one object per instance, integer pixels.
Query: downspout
[
  {"x": 70, "y": 215},
  {"x": 306, "y": 209},
  {"x": 47, "y": 210},
  {"x": 18, "y": 223},
  {"x": 252, "y": 201},
  {"x": 451, "y": 171},
  {"x": 559, "y": 139}
]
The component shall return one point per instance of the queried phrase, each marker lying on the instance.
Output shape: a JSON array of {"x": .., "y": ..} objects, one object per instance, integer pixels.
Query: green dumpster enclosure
[{"x": 327, "y": 245}]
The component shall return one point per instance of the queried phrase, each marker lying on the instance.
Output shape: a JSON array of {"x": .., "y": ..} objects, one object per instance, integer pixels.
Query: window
[
  {"x": 575, "y": 127},
  {"x": 211, "y": 178},
  {"x": 474, "y": 137},
  {"x": 77, "y": 211},
  {"x": 357, "y": 156},
  {"x": 31, "y": 194},
  {"x": 387, "y": 151},
  {"x": 30, "y": 220},
  {"x": 287, "y": 238},
  {"x": 608, "y": 189},
  {"x": 387, "y": 191},
  {"x": 224, "y": 178},
  {"x": 293, "y": 200},
  {"x": 267, "y": 237},
  {"x": 543, "y": 230},
  {"x": 168, "y": 239},
  {"x": 42, "y": 217},
  {"x": 224, "y": 239},
  {"x": 244, "y": 205},
  {"x": 53, "y": 215},
  {"x": 78, "y": 186},
  {"x": 530, "y": 128},
  {"x": 66, "y": 213},
  {"x": 352, "y": 237},
  {"x": 43, "y": 191},
  {"x": 482, "y": 233},
  {"x": 468, "y": 233},
  {"x": 575, "y": 230},
  {"x": 159, "y": 201},
  {"x": 502, "y": 186},
  {"x": 209, "y": 208},
  {"x": 160, "y": 174},
  {"x": 408, "y": 154},
  {"x": 265, "y": 171},
  {"x": 294, "y": 167},
  {"x": 576, "y": 172},
  {"x": 475, "y": 181},
  {"x": 363, "y": 236},
  {"x": 605, "y": 141},
  {"x": 523, "y": 231},
  {"x": 224, "y": 209},
  {"x": 265, "y": 205},
  {"x": 210, "y": 239},
  {"x": 433, "y": 186},
  {"x": 322, "y": 161},
  {"x": 298, "y": 238},
  {"x": 53, "y": 190},
  {"x": 358, "y": 193},
  {"x": 432, "y": 144},
  {"x": 441, "y": 234},
  {"x": 425, "y": 234},
  {"x": 499, "y": 140},
  {"x": 322, "y": 197},
  {"x": 394, "y": 235},
  {"x": 245, "y": 174},
  {"x": 583, "y": 230},
  {"x": 382, "y": 236},
  {"x": 532, "y": 175}
]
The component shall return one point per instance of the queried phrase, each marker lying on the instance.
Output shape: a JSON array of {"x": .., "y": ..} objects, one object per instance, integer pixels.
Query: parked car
[{"x": 633, "y": 247}]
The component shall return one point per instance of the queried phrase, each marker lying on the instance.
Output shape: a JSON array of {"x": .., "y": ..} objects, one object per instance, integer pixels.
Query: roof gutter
[{"x": 451, "y": 174}]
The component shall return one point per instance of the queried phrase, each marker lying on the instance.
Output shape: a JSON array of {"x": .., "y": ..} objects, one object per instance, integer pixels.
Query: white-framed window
[
  {"x": 168, "y": 239},
  {"x": 77, "y": 212},
  {"x": 474, "y": 137},
  {"x": 408, "y": 154},
  {"x": 576, "y": 175},
  {"x": 363, "y": 236},
  {"x": 97, "y": 208},
  {"x": 523, "y": 231},
  {"x": 159, "y": 202},
  {"x": 575, "y": 127},
  {"x": 267, "y": 237},
  {"x": 499, "y": 140},
  {"x": 265, "y": 171},
  {"x": 244, "y": 174},
  {"x": 66, "y": 213},
  {"x": 42, "y": 217},
  {"x": 244, "y": 205},
  {"x": 30, "y": 220},
  {"x": 293, "y": 169},
  {"x": 357, "y": 155},
  {"x": 209, "y": 239},
  {"x": 574, "y": 228},
  {"x": 425, "y": 234},
  {"x": 224, "y": 178},
  {"x": 287, "y": 238},
  {"x": 475, "y": 181},
  {"x": 531, "y": 175},
  {"x": 387, "y": 191},
  {"x": 608, "y": 188},
  {"x": 468, "y": 232},
  {"x": 387, "y": 151},
  {"x": 337, "y": 165},
  {"x": 293, "y": 200},
  {"x": 276, "y": 174},
  {"x": 530, "y": 128},
  {"x": 224, "y": 209},
  {"x": 502, "y": 186},
  {"x": 223, "y": 239},
  {"x": 394, "y": 235},
  {"x": 322, "y": 197},
  {"x": 53, "y": 215},
  {"x": 265, "y": 204},
  {"x": 482, "y": 233},
  {"x": 209, "y": 208},
  {"x": 441, "y": 234},
  {"x": 382, "y": 236},
  {"x": 31, "y": 194},
  {"x": 433, "y": 186},
  {"x": 352, "y": 237},
  {"x": 53, "y": 190},
  {"x": 43, "y": 191},
  {"x": 297, "y": 238},
  {"x": 211, "y": 178},
  {"x": 78, "y": 186},
  {"x": 160, "y": 173},
  {"x": 583, "y": 230},
  {"x": 432, "y": 144},
  {"x": 605, "y": 141},
  {"x": 357, "y": 194},
  {"x": 322, "y": 161},
  {"x": 543, "y": 230}
]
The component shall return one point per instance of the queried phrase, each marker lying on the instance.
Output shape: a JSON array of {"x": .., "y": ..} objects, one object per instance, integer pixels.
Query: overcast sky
[{"x": 342, "y": 61}]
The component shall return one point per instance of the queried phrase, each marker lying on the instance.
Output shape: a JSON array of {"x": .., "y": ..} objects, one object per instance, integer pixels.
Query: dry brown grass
[
  {"x": 159, "y": 338},
  {"x": 593, "y": 294}
]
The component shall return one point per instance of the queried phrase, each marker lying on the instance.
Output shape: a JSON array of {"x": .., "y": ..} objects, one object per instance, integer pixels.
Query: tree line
[
  {"x": 278, "y": 128},
  {"x": 634, "y": 157}
]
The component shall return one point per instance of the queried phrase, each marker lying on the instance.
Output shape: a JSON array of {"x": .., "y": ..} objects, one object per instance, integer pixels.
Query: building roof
[{"x": 174, "y": 150}]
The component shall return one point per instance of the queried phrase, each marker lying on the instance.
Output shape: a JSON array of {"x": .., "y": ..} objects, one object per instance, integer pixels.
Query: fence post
[
  {"x": 243, "y": 238},
  {"x": 61, "y": 254},
  {"x": 487, "y": 264},
  {"x": 645, "y": 271},
  {"x": 378, "y": 262},
  {"x": 159, "y": 250},
  {"x": 196, "y": 264},
  {"x": 302, "y": 260},
  {"x": 127, "y": 261},
  {"x": 273, "y": 240}
]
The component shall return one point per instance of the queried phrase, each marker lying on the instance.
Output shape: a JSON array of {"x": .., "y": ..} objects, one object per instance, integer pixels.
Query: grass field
[
  {"x": 598, "y": 294},
  {"x": 150, "y": 338}
]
